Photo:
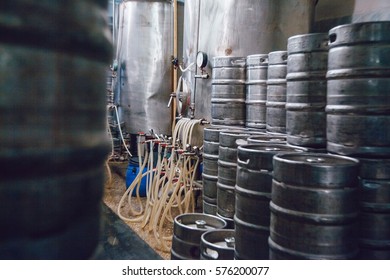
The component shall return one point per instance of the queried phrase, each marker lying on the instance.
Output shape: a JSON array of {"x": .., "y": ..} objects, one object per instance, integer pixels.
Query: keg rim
[
  {"x": 214, "y": 232},
  {"x": 277, "y": 58},
  {"x": 257, "y": 60},
  {"x": 347, "y": 161},
  {"x": 253, "y": 148},
  {"x": 311, "y": 46},
  {"x": 219, "y": 221},
  {"x": 216, "y": 236},
  {"x": 371, "y": 29},
  {"x": 228, "y": 61}
]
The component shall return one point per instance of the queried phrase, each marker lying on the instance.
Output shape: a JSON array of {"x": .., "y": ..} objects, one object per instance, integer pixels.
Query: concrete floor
[{"x": 120, "y": 242}]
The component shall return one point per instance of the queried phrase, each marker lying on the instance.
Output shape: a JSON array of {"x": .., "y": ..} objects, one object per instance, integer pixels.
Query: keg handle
[
  {"x": 238, "y": 62},
  {"x": 206, "y": 253},
  {"x": 240, "y": 142},
  {"x": 332, "y": 38},
  {"x": 243, "y": 162},
  {"x": 264, "y": 60}
]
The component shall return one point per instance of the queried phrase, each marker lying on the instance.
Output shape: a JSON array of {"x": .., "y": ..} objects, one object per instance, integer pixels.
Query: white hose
[
  {"x": 188, "y": 68},
  {"x": 169, "y": 184},
  {"x": 120, "y": 130}
]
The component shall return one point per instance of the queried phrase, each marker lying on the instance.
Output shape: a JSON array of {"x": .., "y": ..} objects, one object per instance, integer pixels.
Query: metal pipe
[
  {"x": 113, "y": 21},
  {"x": 174, "y": 69}
]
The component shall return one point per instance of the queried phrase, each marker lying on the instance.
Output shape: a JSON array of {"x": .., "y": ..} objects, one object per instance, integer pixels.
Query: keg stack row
[
  {"x": 220, "y": 168},
  {"x": 358, "y": 122},
  {"x": 250, "y": 92},
  {"x": 313, "y": 194},
  {"x": 328, "y": 92}
]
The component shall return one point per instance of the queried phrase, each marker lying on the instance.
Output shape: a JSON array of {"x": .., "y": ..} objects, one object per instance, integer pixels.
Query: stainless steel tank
[
  {"x": 237, "y": 28},
  {"x": 144, "y": 53}
]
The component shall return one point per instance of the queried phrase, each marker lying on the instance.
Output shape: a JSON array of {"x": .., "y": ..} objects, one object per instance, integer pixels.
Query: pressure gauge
[{"x": 201, "y": 59}]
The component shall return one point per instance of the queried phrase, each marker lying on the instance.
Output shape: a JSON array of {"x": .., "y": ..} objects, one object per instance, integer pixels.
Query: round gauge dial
[{"x": 201, "y": 59}]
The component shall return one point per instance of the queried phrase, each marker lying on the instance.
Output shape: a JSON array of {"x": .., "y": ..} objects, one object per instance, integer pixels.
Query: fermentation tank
[
  {"x": 144, "y": 54},
  {"x": 236, "y": 28}
]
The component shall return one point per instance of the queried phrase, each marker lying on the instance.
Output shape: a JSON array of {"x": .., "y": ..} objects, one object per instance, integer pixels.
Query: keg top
[
  {"x": 259, "y": 156},
  {"x": 267, "y": 139},
  {"x": 270, "y": 148},
  {"x": 316, "y": 170},
  {"x": 257, "y": 60},
  {"x": 211, "y": 133},
  {"x": 360, "y": 33},
  {"x": 198, "y": 222},
  {"x": 219, "y": 238},
  {"x": 277, "y": 57},
  {"x": 320, "y": 160},
  {"x": 228, "y": 138},
  {"x": 310, "y": 42},
  {"x": 228, "y": 61}
]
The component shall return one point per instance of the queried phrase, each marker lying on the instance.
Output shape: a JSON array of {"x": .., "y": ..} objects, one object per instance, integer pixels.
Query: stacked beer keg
[
  {"x": 306, "y": 90},
  {"x": 314, "y": 207},
  {"x": 187, "y": 233},
  {"x": 358, "y": 122},
  {"x": 227, "y": 173},
  {"x": 305, "y": 186},
  {"x": 210, "y": 169},
  {"x": 228, "y": 91},
  {"x": 276, "y": 92},
  {"x": 256, "y": 90},
  {"x": 253, "y": 195},
  {"x": 331, "y": 97}
]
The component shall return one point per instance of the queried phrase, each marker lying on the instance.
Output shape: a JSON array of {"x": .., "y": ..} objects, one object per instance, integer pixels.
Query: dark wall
[{"x": 330, "y": 13}]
